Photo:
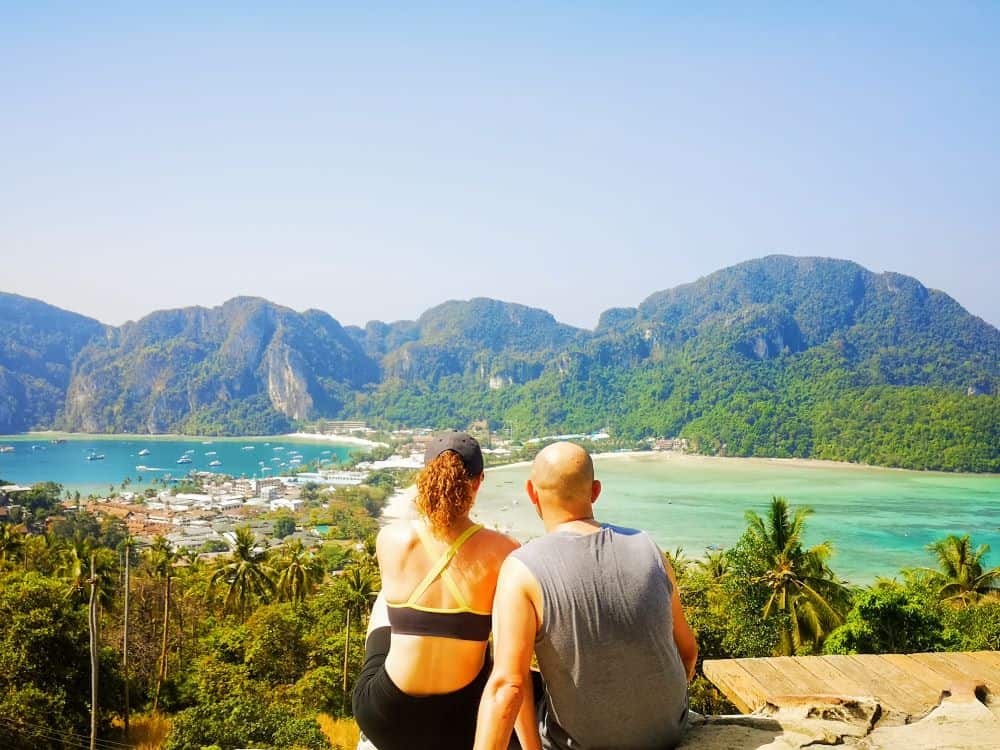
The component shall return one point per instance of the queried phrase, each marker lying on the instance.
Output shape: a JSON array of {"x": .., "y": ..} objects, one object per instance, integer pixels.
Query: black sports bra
[{"x": 462, "y": 622}]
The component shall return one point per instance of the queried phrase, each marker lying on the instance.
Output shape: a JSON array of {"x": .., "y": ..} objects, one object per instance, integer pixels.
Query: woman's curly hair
[{"x": 444, "y": 492}]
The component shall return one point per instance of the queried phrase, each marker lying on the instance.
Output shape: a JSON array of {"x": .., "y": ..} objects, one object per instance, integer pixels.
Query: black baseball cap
[{"x": 463, "y": 444}]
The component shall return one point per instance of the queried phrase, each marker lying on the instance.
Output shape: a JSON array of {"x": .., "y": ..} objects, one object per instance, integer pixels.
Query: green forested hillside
[
  {"x": 38, "y": 343},
  {"x": 778, "y": 356}
]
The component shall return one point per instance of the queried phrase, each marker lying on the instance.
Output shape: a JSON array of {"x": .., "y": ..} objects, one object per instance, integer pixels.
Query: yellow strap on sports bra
[{"x": 438, "y": 569}]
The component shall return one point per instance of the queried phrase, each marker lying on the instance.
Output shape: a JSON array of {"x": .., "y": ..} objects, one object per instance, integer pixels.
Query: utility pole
[{"x": 128, "y": 556}]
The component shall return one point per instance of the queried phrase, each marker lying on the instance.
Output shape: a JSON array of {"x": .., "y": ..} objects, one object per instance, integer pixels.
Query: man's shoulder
[{"x": 624, "y": 530}]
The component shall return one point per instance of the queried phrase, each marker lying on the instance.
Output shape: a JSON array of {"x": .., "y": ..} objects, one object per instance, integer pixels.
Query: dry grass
[
  {"x": 146, "y": 732},
  {"x": 340, "y": 732}
]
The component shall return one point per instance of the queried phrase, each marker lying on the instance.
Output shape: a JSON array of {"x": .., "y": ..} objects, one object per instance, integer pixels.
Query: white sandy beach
[{"x": 335, "y": 439}]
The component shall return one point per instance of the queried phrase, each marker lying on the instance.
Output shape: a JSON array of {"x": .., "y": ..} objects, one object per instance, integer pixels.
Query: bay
[
  {"x": 36, "y": 458},
  {"x": 879, "y": 520}
]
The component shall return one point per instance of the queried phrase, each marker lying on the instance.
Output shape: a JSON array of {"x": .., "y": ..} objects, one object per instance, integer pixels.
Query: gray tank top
[{"x": 613, "y": 676}]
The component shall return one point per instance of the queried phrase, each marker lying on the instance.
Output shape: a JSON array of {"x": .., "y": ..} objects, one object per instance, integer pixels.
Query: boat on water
[
  {"x": 209, "y": 453},
  {"x": 183, "y": 460},
  {"x": 95, "y": 457},
  {"x": 6, "y": 448},
  {"x": 189, "y": 451},
  {"x": 248, "y": 447},
  {"x": 278, "y": 448},
  {"x": 58, "y": 441},
  {"x": 215, "y": 463},
  {"x": 144, "y": 452}
]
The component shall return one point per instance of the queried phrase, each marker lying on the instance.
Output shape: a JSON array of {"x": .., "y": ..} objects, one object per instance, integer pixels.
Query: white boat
[
  {"x": 215, "y": 463},
  {"x": 278, "y": 448},
  {"x": 187, "y": 452},
  {"x": 248, "y": 447},
  {"x": 144, "y": 452},
  {"x": 7, "y": 449},
  {"x": 183, "y": 460},
  {"x": 95, "y": 457},
  {"x": 209, "y": 453}
]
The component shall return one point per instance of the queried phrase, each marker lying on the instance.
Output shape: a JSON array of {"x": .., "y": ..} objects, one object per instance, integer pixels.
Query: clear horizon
[{"x": 375, "y": 162}]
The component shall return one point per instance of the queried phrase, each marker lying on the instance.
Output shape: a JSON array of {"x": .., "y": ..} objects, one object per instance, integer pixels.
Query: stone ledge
[{"x": 966, "y": 718}]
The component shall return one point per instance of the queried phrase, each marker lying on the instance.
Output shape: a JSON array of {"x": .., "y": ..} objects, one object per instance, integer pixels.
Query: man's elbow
[{"x": 689, "y": 657}]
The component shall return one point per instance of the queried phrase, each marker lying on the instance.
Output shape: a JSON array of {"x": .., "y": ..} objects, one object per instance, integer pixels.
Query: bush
[
  {"x": 886, "y": 621},
  {"x": 976, "y": 628},
  {"x": 242, "y": 722}
]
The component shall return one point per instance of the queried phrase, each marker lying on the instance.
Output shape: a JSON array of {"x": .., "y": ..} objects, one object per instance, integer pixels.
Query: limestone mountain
[
  {"x": 247, "y": 366},
  {"x": 777, "y": 356},
  {"x": 38, "y": 344},
  {"x": 494, "y": 341}
]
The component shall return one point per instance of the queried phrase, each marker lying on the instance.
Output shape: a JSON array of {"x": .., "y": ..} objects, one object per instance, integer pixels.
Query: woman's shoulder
[
  {"x": 497, "y": 540},
  {"x": 395, "y": 535}
]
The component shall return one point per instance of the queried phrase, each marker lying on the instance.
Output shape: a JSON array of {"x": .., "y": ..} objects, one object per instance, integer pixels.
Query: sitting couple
[{"x": 597, "y": 605}]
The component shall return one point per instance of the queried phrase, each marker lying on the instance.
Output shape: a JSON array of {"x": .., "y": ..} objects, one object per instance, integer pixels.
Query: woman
[{"x": 439, "y": 574}]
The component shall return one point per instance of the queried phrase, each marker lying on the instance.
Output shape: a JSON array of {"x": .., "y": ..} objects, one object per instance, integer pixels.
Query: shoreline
[{"x": 352, "y": 441}]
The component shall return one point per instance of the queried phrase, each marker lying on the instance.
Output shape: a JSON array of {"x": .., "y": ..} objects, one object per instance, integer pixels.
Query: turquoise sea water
[
  {"x": 67, "y": 462},
  {"x": 879, "y": 520}
]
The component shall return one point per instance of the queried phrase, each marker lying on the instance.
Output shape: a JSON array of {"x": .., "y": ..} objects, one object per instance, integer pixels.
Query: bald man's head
[{"x": 562, "y": 480}]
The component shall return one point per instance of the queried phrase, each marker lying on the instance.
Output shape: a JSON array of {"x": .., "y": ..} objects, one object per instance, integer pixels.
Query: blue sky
[{"x": 372, "y": 160}]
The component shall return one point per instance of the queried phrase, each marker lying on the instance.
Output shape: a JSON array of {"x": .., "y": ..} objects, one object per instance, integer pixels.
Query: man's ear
[
  {"x": 595, "y": 491},
  {"x": 529, "y": 487}
]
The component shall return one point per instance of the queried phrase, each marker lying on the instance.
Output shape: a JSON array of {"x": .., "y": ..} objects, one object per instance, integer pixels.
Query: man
[{"x": 599, "y": 607}]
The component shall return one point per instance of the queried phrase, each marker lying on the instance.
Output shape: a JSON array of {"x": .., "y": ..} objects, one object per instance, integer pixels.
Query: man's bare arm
[
  {"x": 687, "y": 646},
  {"x": 508, "y": 693}
]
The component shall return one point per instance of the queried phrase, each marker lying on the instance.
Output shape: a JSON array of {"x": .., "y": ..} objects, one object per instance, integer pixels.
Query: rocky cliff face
[{"x": 207, "y": 365}]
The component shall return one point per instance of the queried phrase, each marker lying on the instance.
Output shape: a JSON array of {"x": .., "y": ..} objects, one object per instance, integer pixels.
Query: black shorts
[{"x": 393, "y": 720}]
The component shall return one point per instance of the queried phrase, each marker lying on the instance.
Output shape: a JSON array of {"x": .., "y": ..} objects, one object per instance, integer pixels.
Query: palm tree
[
  {"x": 961, "y": 578},
  {"x": 11, "y": 540},
  {"x": 127, "y": 546},
  {"x": 73, "y": 561},
  {"x": 300, "y": 572},
  {"x": 678, "y": 560},
  {"x": 800, "y": 584},
  {"x": 360, "y": 590},
  {"x": 715, "y": 565},
  {"x": 161, "y": 559},
  {"x": 247, "y": 576}
]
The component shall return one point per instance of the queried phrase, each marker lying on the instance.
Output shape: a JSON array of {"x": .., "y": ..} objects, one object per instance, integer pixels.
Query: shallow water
[
  {"x": 879, "y": 520},
  {"x": 67, "y": 462}
]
